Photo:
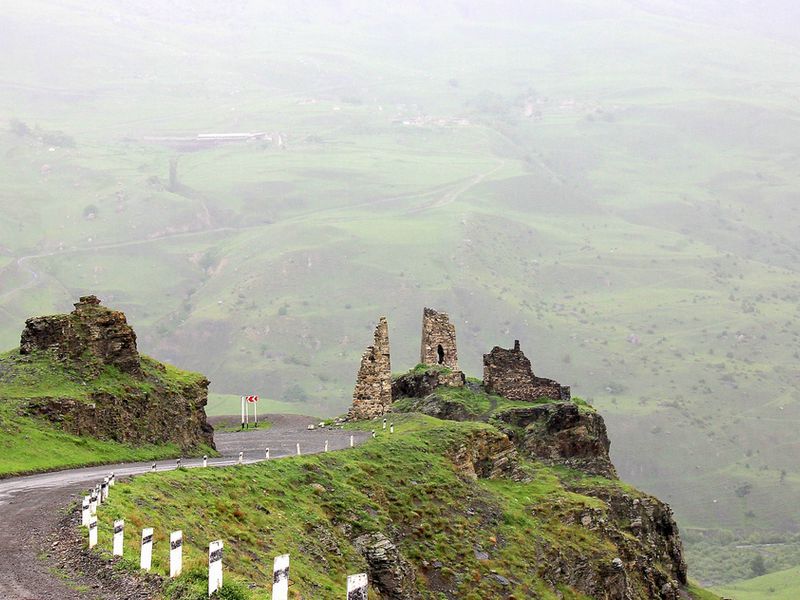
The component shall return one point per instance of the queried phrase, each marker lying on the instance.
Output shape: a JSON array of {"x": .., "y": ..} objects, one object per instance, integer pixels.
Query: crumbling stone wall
[
  {"x": 508, "y": 372},
  {"x": 372, "y": 395},
  {"x": 438, "y": 340},
  {"x": 90, "y": 332}
]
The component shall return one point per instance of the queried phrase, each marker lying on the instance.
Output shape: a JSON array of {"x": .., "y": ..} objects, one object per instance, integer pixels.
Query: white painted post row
[
  {"x": 86, "y": 510},
  {"x": 175, "y": 553},
  {"x": 119, "y": 537},
  {"x": 357, "y": 587},
  {"x": 146, "y": 556},
  {"x": 280, "y": 578},
  {"x": 356, "y": 584},
  {"x": 93, "y": 531},
  {"x": 214, "y": 566}
]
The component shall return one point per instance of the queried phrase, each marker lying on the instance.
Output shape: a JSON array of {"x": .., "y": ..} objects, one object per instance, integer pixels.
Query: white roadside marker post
[
  {"x": 266, "y": 454},
  {"x": 93, "y": 532},
  {"x": 119, "y": 537},
  {"x": 175, "y": 553},
  {"x": 357, "y": 587},
  {"x": 92, "y": 503},
  {"x": 86, "y": 510},
  {"x": 98, "y": 492},
  {"x": 205, "y": 460},
  {"x": 391, "y": 428},
  {"x": 104, "y": 489},
  {"x": 112, "y": 479},
  {"x": 241, "y": 457},
  {"x": 352, "y": 441},
  {"x": 298, "y": 448},
  {"x": 373, "y": 434},
  {"x": 384, "y": 423},
  {"x": 146, "y": 557},
  {"x": 326, "y": 445},
  {"x": 154, "y": 468},
  {"x": 214, "y": 566},
  {"x": 280, "y": 578},
  {"x": 178, "y": 463}
]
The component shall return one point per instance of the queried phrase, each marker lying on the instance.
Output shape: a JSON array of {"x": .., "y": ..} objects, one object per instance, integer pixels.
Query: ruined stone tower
[
  {"x": 438, "y": 340},
  {"x": 372, "y": 395},
  {"x": 508, "y": 372}
]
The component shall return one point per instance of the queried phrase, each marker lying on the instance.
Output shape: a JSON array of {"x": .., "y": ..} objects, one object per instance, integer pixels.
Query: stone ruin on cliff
[
  {"x": 508, "y": 373},
  {"x": 372, "y": 395},
  {"x": 438, "y": 347}
]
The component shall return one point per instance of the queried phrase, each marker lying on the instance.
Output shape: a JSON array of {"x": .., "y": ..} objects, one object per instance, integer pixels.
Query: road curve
[{"x": 31, "y": 506}]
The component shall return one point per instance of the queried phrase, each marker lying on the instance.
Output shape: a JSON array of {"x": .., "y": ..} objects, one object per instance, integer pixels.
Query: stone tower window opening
[{"x": 440, "y": 352}]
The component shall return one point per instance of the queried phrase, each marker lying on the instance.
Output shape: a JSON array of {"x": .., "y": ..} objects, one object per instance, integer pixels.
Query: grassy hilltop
[
  {"x": 32, "y": 444},
  {"x": 618, "y": 178},
  {"x": 464, "y": 537}
]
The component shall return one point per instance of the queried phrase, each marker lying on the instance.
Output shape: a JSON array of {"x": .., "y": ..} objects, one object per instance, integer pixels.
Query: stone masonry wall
[
  {"x": 372, "y": 395},
  {"x": 508, "y": 372},
  {"x": 438, "y": 340}
]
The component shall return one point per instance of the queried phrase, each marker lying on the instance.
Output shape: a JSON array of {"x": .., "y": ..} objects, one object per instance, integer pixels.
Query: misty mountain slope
[{"x": 614, "y": 184}]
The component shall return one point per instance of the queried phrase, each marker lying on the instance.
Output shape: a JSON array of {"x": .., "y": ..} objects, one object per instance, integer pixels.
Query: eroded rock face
[
  {"x": 508, "y": 373},
  {"x": 372, "y": 395},
  {"x": 150, "y": 407},
  {"x": 650, "y": 563},
  {"x": 158, "y": 417},
  {"x": 419, "y": 385},
  {"x": 391, "y": 574},
  {"x": 91, "y": 333},
  {"x": 487, "y": 454},
  {"x": 561, "y": 433}
]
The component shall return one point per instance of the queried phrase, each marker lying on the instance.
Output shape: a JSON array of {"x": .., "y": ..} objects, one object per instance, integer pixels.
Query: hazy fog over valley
[{"x": 614, "y": 183}]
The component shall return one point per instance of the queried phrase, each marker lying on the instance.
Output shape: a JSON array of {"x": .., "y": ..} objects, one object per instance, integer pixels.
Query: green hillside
[
  {"x": 471, "y": 538},
  {"x": 33, "y": 444},
  {"x": 614, "y": 183},
  {"x": 781, "y": 585}
]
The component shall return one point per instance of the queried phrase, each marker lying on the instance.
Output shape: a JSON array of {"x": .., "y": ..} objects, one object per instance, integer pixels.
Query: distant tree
[
  {"x": 173, "y": 173},
  {"x": 19, "y": 128},
  {"x": 58, "y": 139},
  {"x": 294, "y": 393},
  {"x": 757, "y": 566},
  {"x": 90, "y": 211}
]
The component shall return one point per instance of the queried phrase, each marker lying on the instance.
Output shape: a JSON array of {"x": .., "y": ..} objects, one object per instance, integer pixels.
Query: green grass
[
  {"x": 32, "y": 445},
  {"x": 476, "y": 402},
  {"x": 313, "y": 507},
  {"x": 637, "y": 201},
  {"x": 781, "y": 585}
]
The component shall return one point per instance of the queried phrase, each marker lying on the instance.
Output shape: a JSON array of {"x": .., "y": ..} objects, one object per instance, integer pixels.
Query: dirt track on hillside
[{"x": 33, "y": 508}]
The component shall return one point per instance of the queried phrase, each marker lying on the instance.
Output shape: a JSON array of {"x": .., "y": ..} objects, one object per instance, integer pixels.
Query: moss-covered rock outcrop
[
  {"x": 80, "y": 374},
  {"x": 569, "y": 437}
]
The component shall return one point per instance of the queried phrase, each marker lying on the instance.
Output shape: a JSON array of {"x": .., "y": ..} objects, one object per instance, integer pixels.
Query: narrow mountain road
[{"x": 31, "y": 506}]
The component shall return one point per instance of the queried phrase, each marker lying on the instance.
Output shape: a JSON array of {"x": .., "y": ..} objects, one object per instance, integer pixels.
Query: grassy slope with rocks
[
  {"x": 404, "y": 485},
  {"x": 30, "y": 444},
  {"x": 645, "y": 213}
]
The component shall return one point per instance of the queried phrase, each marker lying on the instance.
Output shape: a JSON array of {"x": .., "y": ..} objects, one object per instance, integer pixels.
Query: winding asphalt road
[{"x": 31, "y": 506}]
